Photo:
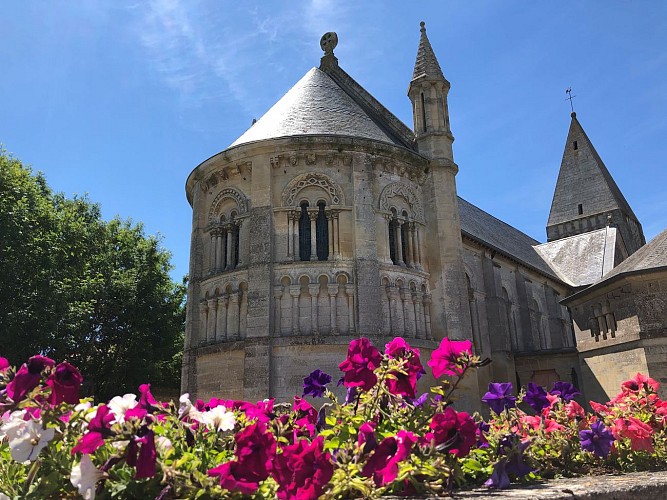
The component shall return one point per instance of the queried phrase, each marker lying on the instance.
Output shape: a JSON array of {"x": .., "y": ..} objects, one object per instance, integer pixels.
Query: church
[{"x": 329, "y": 219}]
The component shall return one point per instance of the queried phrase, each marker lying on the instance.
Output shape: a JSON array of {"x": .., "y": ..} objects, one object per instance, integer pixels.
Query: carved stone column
[
  {"x": 330, "y": 223},
  {"x": 228, "y": 254},
  {"x": 333, "y": 293},
  {"x": 349, "y": 290},
  {"x": 241, "y": 233},
  {"x": 418, "y": 297},
  {"x": 406, "y": 299},
  {"x": 221, "y": 322},
  {"x": 386, "y": 312},
  {"x": 213, "y": 254},
  {"x": 313, "y": 235},
  {"x": 427, "y": 315},
  {"x": 337, "y": 238},
  {"x": 210, "y": 326},
  {"x": 411, "y": 256},
  {"x": 295, "y": 235},
  {"x": 397, "y": 325},
  {"x": 387, "y": 247},
  {"x": 278, "y": 296},
  {"x": 203, "y": 319},
  {"x": 295, "y": 292},
  {"x": 420, "y": 260},
  {"x": 218, "y": 250},
  {"x": 233, "y": 316},
  {"x": 399, "y": 244},
  {"x": 290, "y": 238},
  {"x": 314, "y": 291}
]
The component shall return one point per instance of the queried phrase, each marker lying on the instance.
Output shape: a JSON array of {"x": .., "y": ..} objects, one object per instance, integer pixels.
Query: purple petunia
[
  {"x": 315, "y": 383},
  {"x": 536, "y": 397},
  {"x": 511, "y": 463},
  {"x": 565, "y": 390},
  {"x": 597, "y": 440},
  {"x": 499, "y": 396}
]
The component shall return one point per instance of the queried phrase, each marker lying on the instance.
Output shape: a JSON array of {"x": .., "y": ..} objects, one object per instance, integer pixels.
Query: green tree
[{"x": 75, "y": 287}]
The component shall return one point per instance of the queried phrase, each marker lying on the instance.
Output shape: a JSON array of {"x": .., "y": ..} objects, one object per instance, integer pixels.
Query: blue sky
[{"x": 121, "y": 99}]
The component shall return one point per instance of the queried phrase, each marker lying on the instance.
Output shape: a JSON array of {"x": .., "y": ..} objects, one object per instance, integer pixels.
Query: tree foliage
[{"x": 75, "y": 287}]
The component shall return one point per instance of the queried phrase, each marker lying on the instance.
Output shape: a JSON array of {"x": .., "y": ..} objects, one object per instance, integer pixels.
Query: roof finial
[
  {"x": 423, "y": 27},
  {"x": 569, "y": 97},
  {"x": 328, "y": 42}
]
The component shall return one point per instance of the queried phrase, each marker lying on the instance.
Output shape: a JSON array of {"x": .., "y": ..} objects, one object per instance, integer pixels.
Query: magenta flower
[
  {"x": 383, "y": 463},
  {"x": 404, "y": 384},
  {"x": 499, "y": 396},
  {"x": 315, "y": 384},
  {"x": 98, "y": 429},
  {"x": 453, "y": 432},
  {"x": 255, "y": 453},
  {"x": 65, "y": 382},
  {"x": 597, "y": 440},
  {"x": 146, "y": 399},
  {"x": 565, "y": 390},
  {"x": 4, "y": 364},
  {"x": 302, "y": 470},
  {"x": 640, "y": 381},
  {"x": 141, "y": 453},
  {"x": 362, "y": 359},
  {"x": 366, "y": 437},
  {"x": 449, "y": 357},
  {"x": 305, "y": 416},
  {"x": 536, "y": 397},
  {"x": 28, "y": 377}
]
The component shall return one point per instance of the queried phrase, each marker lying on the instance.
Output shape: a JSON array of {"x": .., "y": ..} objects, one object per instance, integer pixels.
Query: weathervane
[{"x": 569, "y": 97}]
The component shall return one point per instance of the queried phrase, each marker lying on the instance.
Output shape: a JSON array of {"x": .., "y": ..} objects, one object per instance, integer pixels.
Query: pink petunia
[{"x": 448, "y": 358}]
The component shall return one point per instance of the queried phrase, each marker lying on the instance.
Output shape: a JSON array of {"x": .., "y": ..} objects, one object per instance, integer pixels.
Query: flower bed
[{"x": 383, "y": 439}]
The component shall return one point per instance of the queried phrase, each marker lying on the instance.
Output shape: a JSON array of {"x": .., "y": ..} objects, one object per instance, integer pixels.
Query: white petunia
[
  {"x": 11, "y": 422},
  {"x": 27, "y": 438},
  {"x": 219, "y": 419},
  {"x": 119, "y": 405},
  {"x": 84, "y": 477},
  {"x": 186, "y": 408},
  {"x": 163, "y": 444}
]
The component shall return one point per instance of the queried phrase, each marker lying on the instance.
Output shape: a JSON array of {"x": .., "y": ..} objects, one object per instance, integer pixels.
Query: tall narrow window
[
  {"x": 392, "y": 238},
  {"x": 322, "y": 228},
  {"x": 580, "y": 208},
  {"x": 235, "y": 260},
  {"x": 575, "y": 146},
  {"x": 423, "y": 111},
  {"x": 304, "y": 233},
  {"x": 404, "y": 238}
]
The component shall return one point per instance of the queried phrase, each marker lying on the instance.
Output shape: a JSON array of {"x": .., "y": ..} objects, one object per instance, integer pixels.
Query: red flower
[
  {"x": 366, "y": 437},
  {"x": 636, "y": 431},
  {"x": 64, "y": 382},
  {"x": 302, "y": 470},
  {"x": 141, "y": 453},
  {"x": 383, "y": 463},
  {"x": 455, "y": 432},
  {"x": 404, "y": 384},
  {"x": 98, "y": 427},
  {"x": 362, "y": 359},
  {"x": 146, "y": 399},
  {"x": 638, "y": 382},
  {"x": 449, "y": 357},
  {"x": 28, "y": 377},
  {"x": 255, "y": 452},
  {"x": 306, "y": 416}
]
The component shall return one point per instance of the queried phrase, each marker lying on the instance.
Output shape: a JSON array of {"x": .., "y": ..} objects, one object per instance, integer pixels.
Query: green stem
[{"x": 31, "y": 475}]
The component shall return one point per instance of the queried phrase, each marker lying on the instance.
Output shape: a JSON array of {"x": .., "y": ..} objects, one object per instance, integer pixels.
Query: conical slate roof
[
  {"x": 584, "y": 180},
  {"x": 426, "y": 63},
  {"x": 315, "y": 105}
]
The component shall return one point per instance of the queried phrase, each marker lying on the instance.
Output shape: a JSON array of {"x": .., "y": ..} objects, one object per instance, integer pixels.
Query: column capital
[
  {"x": 203, "y": 305},
  {"x": 349, "y": 288},
  {"x": 427, "y": 298},
  {"x": 212, "y": 302},
  {"x": 332, "y": 290},
  {"x": 295, "y": 290},
  {"x": 278, "y": 291},
  {"x": 393, "y": 292},
  {"x": 234, "y": 297},
  {"x": 314, "y": 290},
  {"x": 223, "y": 299}
]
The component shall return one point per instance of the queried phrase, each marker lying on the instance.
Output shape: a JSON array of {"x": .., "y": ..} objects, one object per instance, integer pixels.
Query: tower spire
[{"x": 426, "y": 63}]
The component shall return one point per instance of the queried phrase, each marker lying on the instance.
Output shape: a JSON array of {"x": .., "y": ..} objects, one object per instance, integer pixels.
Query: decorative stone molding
[
  {"x": 228, "y": 193},
  {"x": 312, "y": 179},
  {"x": 407, "y": 193}
]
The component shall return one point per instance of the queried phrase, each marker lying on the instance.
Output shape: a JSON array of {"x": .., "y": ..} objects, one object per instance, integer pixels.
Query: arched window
[
  {"x": 322, "y": 229},
  {"x": 392, "y": 238},
  {"x": 405, "y": 234},
  {"x": 304, "y": 233}
]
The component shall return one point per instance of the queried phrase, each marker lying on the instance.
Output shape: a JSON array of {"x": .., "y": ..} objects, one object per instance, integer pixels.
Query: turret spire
[{"x": 426, "y": 63}]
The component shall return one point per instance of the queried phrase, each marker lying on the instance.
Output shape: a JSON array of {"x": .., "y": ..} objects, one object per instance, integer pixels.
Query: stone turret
[
  {"x": 428, "y": 93},
  {"x": 586, "y": 197}
]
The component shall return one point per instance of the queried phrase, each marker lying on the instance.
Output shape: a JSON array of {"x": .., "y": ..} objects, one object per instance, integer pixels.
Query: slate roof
[
  {"x": 584, "y": 179},
  {"x": 315, "y": 105},
  {"x": 500, "y": 236},
  {"x": 582, "y": 259}
]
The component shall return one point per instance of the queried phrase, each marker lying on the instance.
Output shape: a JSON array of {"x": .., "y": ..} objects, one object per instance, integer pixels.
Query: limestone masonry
[{"x": 330, "y": 219}]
